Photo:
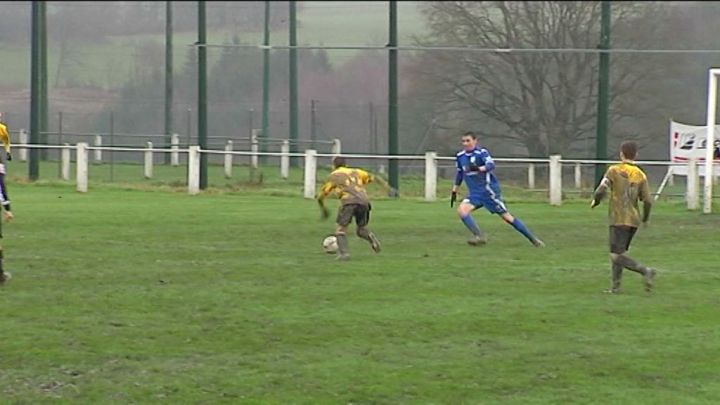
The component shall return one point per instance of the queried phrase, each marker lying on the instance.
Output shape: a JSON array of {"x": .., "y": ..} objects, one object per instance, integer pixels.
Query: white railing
[
  {"x": 431, "y": 162},
  {"x": 254, "y": 143}
]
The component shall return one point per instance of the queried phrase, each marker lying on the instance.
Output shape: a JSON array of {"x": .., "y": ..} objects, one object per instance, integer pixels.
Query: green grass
[
  {"x": 131, "y": 296},
  {"x": 110, "y": 65}
]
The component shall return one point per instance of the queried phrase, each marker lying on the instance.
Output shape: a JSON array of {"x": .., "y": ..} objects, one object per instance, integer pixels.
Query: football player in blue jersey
[{"x": 475, "y": 167}]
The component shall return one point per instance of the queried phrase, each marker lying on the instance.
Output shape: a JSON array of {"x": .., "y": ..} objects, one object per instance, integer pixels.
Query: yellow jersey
[
  {"x": 5, "y": 136},
  {"x": 628, "y": 185},
  {"x": 349, "y": 184}
]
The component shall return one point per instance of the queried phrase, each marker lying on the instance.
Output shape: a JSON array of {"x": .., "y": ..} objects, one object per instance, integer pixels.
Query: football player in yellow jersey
[
  {"x": 349, "y": 185},
  {"x": 5, "y": 138},
  {"x": 4, "y": 199},
  {"x": 627, "y": 185}
]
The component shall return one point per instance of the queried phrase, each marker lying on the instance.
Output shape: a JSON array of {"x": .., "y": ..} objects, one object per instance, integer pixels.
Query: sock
[
  {"x": 1, "y": 261},
  {"x": 342, "y": 243},
  {"x": 364, "y": 233},
  {"x": 469, "y": 222},
  {"x": 631, "y": 264},
  {"x": 617, "y": 269},
  {"x": 520, "y": 227}
]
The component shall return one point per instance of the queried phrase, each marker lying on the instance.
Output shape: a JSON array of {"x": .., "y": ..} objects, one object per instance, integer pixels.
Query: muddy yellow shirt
[
  {"x": 627, "y": 185},
  {"x": 5, "y": 136},
  {"x": 349, "y": 184}
]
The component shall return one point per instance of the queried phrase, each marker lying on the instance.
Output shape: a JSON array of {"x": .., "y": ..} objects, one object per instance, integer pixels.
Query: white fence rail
[{"x": 431, "y": 161}]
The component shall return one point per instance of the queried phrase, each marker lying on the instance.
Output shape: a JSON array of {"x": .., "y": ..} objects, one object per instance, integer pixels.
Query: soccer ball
[{"x": 330, "y": 244}]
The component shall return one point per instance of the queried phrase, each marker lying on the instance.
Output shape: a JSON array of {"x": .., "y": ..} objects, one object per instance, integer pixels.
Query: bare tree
[{"x": 543, "y": 101}]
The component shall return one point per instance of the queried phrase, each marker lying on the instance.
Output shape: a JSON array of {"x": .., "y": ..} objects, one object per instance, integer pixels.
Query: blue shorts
[{"x": 491, "y": 201}]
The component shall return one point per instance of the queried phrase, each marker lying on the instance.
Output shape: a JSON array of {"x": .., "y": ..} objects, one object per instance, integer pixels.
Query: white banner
[{"x": 688, "y": 141}]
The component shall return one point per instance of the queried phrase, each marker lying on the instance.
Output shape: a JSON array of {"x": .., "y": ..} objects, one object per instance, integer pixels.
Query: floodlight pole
[
  {"x": 293, "y": 102},
  {"x": 603, "y": 92},
  {"x": 710, "y": 141},
  {"x": 393, "y": 175},
  {"x": 313, "y": 123},
  {"x": 168, "y": 78},
  {"x": 43, "y": 135},
  {"x": 34, "y": 164},
  {"x": 266, "y": 83},
  {"x": 202, "y": 94}
]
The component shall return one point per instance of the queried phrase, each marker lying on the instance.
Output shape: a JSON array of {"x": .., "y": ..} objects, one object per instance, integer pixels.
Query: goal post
[{"x": 710, "y": 141}]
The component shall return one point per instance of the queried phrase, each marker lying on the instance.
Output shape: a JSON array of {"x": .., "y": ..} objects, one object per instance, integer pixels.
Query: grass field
[{"x": 130, "y": 296}]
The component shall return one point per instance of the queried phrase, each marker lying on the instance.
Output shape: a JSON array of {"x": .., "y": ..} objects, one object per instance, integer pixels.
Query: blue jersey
[{"x": 468, "y": 170}]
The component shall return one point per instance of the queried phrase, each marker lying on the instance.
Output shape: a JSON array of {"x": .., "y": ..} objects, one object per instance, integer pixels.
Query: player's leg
[
  {"x": 362, "y": 219},
  {"x": 344, "y": 217},
  {"x": 520, "y": 227},
  {"x": 467, "y": 206},
  {"x": 617, "y": 270},
  {"x": 617, "y": 246},
  {"x": 4, "y": 275},
  {"x": 620, "y": 239},
  {"x": 492, "y": 201}
]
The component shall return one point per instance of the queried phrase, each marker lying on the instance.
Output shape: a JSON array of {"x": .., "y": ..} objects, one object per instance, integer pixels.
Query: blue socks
[
  {"x": 520, "y": 227},
  {"x": 471, "y": 225}
]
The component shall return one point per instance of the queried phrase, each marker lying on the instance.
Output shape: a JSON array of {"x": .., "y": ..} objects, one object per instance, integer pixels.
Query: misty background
[{"x": 109, "y": 57}]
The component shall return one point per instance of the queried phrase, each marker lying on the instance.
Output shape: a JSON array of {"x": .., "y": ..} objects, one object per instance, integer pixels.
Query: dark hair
[
  {"x": 339, "y": 161},
  {"x": 471, "y": 134},
  {"x": 629, "y": 149}
]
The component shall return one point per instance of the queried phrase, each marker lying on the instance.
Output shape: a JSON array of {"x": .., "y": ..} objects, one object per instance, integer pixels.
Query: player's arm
[
  {"x": 367, "y": 178},
  {"x": 646, "y": 199},
  {"x": 488, "y": 162},
  {"x": 4, "y": 199},
  {"x": 375, "y": 178},
  {"x": 5, "y": 138},
  {"x": 325, "y": 191},
  {"x": 602, "y": 189},
  {"x": 457, "y": 183}
]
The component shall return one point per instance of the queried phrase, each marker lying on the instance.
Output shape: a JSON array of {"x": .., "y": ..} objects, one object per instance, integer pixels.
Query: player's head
[
  {"x": 628, "y": 150},
  {"x": 339, "y": 161},
  {"x": 469, "y": 140}
]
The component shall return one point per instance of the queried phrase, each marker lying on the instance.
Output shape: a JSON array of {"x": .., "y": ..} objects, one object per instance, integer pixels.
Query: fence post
[
  {"x": 23, "y": 141},
  {"x": 336, "y": 147},
  {"x": 149, "y": 161},
  {"x": 692, "y": 196},
  {"x": 98, "y": 152},
  {"x": 65, "y": 160},
  {"x": 228, "y": 159},
  {"x": 82, "y": 167},
  {"x": 254, "y": 148},
  {"x": 578, "y": 176},
  {"x": 175, "y": 147},
  {"x": 531, "y": 176},
  {"x": 310, "y": 172},
  {"x": 194, "y": 170},
  {"x": 555, "y": 180},
  {"x": 430, "y": 176},
  {"x": 285, "y": 159}
]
